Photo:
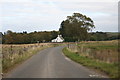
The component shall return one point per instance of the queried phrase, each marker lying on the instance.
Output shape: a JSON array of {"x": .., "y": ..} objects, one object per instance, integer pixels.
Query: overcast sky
[{"x": 47, "y": 15}]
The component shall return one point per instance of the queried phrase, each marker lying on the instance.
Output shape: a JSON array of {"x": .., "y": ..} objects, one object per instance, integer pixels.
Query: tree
[
  {"x": 76, "y": 27},
  {"x": 54, "y": 34},
  {"x": 9, "y": 37}
]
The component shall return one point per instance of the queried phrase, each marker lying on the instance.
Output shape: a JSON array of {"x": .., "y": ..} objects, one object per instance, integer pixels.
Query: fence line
[{"x": 108, "y": 56}]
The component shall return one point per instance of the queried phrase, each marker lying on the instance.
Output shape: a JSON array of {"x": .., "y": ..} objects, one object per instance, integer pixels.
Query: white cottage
[{"x": 58, "y": 39}]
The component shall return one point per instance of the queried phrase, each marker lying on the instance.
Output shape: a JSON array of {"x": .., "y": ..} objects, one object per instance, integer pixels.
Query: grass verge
[{"x": 110, "y": 69}]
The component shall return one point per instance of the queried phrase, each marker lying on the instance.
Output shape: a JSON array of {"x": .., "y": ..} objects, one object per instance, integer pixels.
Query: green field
[
  {"x": 106, "y": 51},
  {"x": 99, "y": 45}
]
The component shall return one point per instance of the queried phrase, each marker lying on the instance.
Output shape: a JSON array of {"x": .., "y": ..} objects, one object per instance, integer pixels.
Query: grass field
[
  {"x": 106, "y": 51},
  {"x": 100, "y": 55},
  {"x": 100, "y": 45}
]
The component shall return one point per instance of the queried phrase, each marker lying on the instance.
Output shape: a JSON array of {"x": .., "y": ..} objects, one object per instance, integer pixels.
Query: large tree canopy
[{"x": 76, "y": 27}]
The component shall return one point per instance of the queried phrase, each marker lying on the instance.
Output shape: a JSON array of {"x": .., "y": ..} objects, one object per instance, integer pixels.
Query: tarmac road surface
[{"x": 50, "y": 63}]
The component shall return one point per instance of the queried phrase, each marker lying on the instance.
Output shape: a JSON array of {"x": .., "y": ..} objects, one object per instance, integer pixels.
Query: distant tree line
[
  {"x": 26, "y": 38},
  {"x": 103, "y": 36},
  {"x": 39, "y": 37}
]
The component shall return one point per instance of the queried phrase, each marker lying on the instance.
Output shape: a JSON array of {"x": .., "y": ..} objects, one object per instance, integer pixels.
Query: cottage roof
[{"x": 60, "y": 36}]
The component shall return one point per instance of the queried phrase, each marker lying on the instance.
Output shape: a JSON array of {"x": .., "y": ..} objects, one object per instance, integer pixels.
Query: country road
[{"x": 50, "y": 63}]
